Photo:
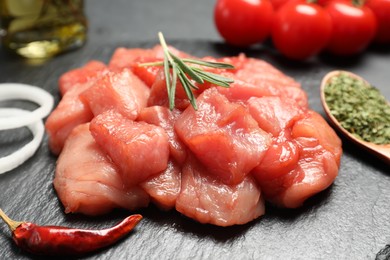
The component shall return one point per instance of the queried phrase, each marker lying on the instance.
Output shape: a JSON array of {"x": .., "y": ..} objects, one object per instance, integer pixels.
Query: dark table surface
[{"x": 350, "y": 220}]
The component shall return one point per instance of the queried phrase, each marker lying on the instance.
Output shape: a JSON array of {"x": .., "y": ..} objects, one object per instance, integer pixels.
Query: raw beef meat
[
  {"x": 208, "y": 200},
  {"x": 88, "y": 182},
  {"x": 159, "y": 94},
  {"x": 68, "y": 114},
  {"x": 140, "y": 150},
  {"x": 164, "y": 187},
  {"x": 268, "y": 78},
  {"x": 304, "y": 156},
  {"x": 122, "y": 91},
  {"x": 223, "y": 136},
  {"x": 124, "y": 58},
  {"x": 81, "y": 75},
  {"x": 162, "y": 116},
  {"x": 255, "y": 141}
]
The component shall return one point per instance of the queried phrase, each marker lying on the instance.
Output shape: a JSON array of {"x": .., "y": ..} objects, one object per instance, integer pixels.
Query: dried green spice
[{"x": 360, "y": 108}]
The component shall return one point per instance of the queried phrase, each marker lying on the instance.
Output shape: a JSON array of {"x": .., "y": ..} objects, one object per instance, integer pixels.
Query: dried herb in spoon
[{"x": 360, "y": 108}]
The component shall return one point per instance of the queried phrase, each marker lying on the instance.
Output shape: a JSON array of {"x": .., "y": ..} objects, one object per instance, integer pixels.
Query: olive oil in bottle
[{"x": 42, "y": 28}]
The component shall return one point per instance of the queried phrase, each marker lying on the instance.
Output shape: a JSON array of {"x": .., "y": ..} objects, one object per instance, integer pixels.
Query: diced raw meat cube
[
  {"x": 238, "y": 63},
  {"x": 87, "y": 181},
  {"x": 267, "y": 77},
  {"x": 315, "y": 126},
  {"x": 311, "y": 165},
  {"x": 122, "y": 91},
  {"x": 256, "y": 71},
  {"x": 162, "y": 116},
  {"x": 140, "y": 150},
  {"x": 223, "y": 136},
  {"x": 241, "y": 91},
  {"x": 164, "y": 187},
  {"x": 81, "y": 75},
  {"x": 274, "y": 114},
  {"x": 69, "y": 113},
  {"x": 147, "y": 74},
  {"x": 159, "y": 94},
  {"x": 125, "y": 58},
  {"x": 281, "y": 158},
  {"x": 208, "y": 200}
]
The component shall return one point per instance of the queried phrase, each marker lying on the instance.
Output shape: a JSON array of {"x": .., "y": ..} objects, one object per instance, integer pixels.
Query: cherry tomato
[
  {"x": 323, "y": 2},
  {"x": 381, "y": 9},
  {"x": 354, "y": 27},
  {"x": 278, "y": 3},
  {"x": 301, "y": 29},
  {"x": 243, "y": 22}
]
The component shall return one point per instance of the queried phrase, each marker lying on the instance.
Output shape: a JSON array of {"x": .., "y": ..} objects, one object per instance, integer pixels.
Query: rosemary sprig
[{"x": 188, "y": 74}]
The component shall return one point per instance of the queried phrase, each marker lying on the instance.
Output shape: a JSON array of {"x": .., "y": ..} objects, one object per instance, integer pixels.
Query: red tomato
[
  {"x": 353, "y": 27},
  {"x": 323, "y": 2},
  {"x": 278, "y": 3},
  {"x": 243, "y": 22},
  {"x": 381, "y": 9},
  {"x": 301, "y": 29}
]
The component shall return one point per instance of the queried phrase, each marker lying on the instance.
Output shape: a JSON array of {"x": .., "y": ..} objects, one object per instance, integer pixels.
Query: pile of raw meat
[{"x": 120, "y": 146}]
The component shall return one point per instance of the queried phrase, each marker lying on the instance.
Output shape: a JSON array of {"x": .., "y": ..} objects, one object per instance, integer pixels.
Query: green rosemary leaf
[
  {"x": 217, "y": 65},
  {"x": 214, "y": 78},
  {"x": 187, "y": 89},
  {"x": 167, "y": 75},
  {"x": 171, "y": 93},
  {"x": 186, "y": 69},
  {"x": 148, "y": 64},
  {"x": 213, "y": 81},
  {"x": 180, "y": 70},
  {"x": 165, "y": 49},
  {"x": 186, "y": 79}
]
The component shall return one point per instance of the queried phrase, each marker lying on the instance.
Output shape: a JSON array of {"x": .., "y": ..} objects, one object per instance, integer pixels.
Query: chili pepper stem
[{"x": 12, "y": 224}]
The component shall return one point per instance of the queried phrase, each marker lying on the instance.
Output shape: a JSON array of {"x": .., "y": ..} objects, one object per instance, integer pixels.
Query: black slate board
[{"x": 350, "y": 220}]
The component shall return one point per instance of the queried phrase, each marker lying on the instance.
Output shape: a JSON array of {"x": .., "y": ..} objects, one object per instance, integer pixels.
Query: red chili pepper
[{"x": 54, "y": 240}]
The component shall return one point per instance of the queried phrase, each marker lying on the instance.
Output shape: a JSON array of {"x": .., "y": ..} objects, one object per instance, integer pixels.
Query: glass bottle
[{"x": 42, "y": 28}]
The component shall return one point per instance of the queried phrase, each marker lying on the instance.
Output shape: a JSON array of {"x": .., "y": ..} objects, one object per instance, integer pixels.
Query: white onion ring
[
  {"x": 18, "y": 157},
  {"x": 25, "y": 92}
]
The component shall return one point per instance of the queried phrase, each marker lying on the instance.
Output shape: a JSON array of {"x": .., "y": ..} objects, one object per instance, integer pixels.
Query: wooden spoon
[{"x": 382, "y": 151}]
